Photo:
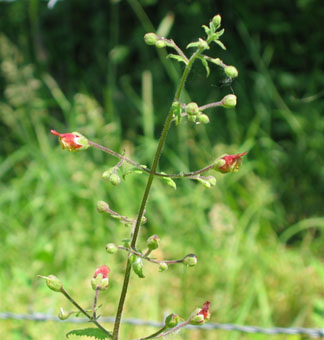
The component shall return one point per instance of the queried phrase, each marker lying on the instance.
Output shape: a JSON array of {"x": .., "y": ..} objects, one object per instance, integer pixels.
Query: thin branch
[
  {"x": 67, "y": 295},
  {"x": 144, "y": 257},
  {"x": 190, "y": 175}
]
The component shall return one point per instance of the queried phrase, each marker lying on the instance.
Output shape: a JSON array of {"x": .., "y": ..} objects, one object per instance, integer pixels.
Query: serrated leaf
[
  {"x": 89, "y": 332},
  {"x": 218, "y": 42},
  {"x": 177, "y": 57},
  {"x": 205, "y": 64},
  {"x": 193, "y": 44}
]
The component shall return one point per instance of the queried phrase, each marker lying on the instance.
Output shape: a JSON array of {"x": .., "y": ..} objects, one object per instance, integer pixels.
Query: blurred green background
[{"x": 258, "y": 234}]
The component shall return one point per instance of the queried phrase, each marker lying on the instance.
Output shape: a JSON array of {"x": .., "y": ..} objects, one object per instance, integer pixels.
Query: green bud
[
  {"x": 192, "y": 108},
  {"x": 231, "y": 71},
  {"x": 111, "y": 248},
  {"x": 138, "y": 268},
  {"x": 99, "y": 282},
  {"x": 203, "y": 44},
  {"x": 197, "y": 320},
  {"x": 229, "y": 101},
  {"x": 63, "y": 315},
  {"x": 132, "y": 258},
  {"x": 102, "y": 207},
  {"x": 190, "y": 260},
  {"x": 203, "y": 119},
  {"x": 114, "y": 179},
  {"x": 216, "y": 21},
  {"x": 111, "y": 176},
  {"x": 163, "y": 267},
  {"x": 212, "y": 180},
  {"x": 172, "y": 320},
  {"x": 53, "y": 282},
  {"x": 150, "y": 38},
  {"x": 153, "y": 242},
  {"x": 160, "y": 44}
]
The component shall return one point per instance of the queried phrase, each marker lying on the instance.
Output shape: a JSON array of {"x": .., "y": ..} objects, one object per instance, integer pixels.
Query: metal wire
[{"x": 312, "y": 332}]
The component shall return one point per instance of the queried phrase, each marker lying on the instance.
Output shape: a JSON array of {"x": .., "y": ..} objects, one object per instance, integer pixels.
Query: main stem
[{"x": 164, "y": 134}]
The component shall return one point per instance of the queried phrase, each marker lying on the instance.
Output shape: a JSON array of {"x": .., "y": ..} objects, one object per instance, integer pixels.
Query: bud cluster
[{"x": 195, "y": 115}]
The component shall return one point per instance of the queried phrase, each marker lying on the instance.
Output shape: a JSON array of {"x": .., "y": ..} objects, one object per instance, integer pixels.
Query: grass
[{"x": 259, "y": 249}]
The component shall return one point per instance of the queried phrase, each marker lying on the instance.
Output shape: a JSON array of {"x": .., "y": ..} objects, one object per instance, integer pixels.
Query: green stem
[
  {"x": 67, "y": 295},
  {"x": 164, "y": 134}
]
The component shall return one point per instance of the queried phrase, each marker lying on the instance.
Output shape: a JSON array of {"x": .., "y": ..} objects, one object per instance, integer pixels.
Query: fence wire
[{"x": 312, "y": 332}]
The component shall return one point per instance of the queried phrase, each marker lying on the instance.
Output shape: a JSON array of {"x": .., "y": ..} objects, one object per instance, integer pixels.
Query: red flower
[
  {"x": 205, "y": 311},
  {"x": 200, "y": 316},
  {"x": 71, "y": 141},
  {"x": 229, "y": 163},
  {"x": 103, "y": 270}
]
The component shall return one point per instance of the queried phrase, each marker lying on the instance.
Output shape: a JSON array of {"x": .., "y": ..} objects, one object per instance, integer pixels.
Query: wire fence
[{"x": 40, "y": 317}]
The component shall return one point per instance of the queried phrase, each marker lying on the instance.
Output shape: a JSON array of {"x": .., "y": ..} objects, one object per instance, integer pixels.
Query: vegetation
[{"x": 261, "y": 229}]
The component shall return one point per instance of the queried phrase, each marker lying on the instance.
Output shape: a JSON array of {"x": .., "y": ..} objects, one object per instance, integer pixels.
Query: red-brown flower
[
  {"x": 200, "y": 316},
  {"x": 71, "y": 141},
  {"x": 205, "y": 311},
  {"x": 229, "y": 163},
  {"x": 104, "y": 270}
]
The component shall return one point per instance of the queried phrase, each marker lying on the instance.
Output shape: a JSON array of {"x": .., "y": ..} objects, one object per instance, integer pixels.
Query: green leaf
[
  {"x": 218, "y": 42},
  {"x": 205, "y": 64},
  {"x": 132, "y": 171},
  {"x": 177, "y": 57},
  {"x": 96, "y": 333},
  {"x": 193, "y": 44},
  {"x": 207, "y": 29},
  {"x": 169, "y": 181}
]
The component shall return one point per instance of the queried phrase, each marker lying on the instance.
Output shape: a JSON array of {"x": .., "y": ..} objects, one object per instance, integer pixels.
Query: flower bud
[
  {"x": 100, "y": 278},
  {"x": 231, "y": 71},
  {"x": 111, "y": 176},
  {"x": 153, "y": 242},
  {"x": 200, "y": 316},
  {"x": 163, "y": 267},
  {"x": 172, "y": 320},
  {"x": 138, "y": 268},
  {"x": 53, "y": 282},
  {"x": 111, "y": 248},
  {"x": 192, "y": 108},
  {"x": 190, "y": 260},
  {"x": 229, "y": 163},
  {"x": 102, "y": 207},
  {"x": 160, "y": 44},
  {"x": 203, "y": 119},
  {"x": 229, "y": 101},
  {"x": 203, "y": 44},
  {"x": 150, "y": 38},
  {"x": 72, "y": 141},
  {"x": 63, "y": 315},
  {"x": 216, "y": 21}
]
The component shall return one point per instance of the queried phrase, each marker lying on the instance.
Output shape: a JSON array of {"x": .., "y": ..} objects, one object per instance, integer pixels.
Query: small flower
[
  {"x": 72, "y": 141},
  {"x": 100, "y": 278},
  {"x": 229, "y": 163},
  {"x": 200, "y": 316}
]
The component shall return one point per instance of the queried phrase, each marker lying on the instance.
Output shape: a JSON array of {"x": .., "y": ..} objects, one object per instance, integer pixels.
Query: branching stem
[{"x": 164, "y": 134}]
